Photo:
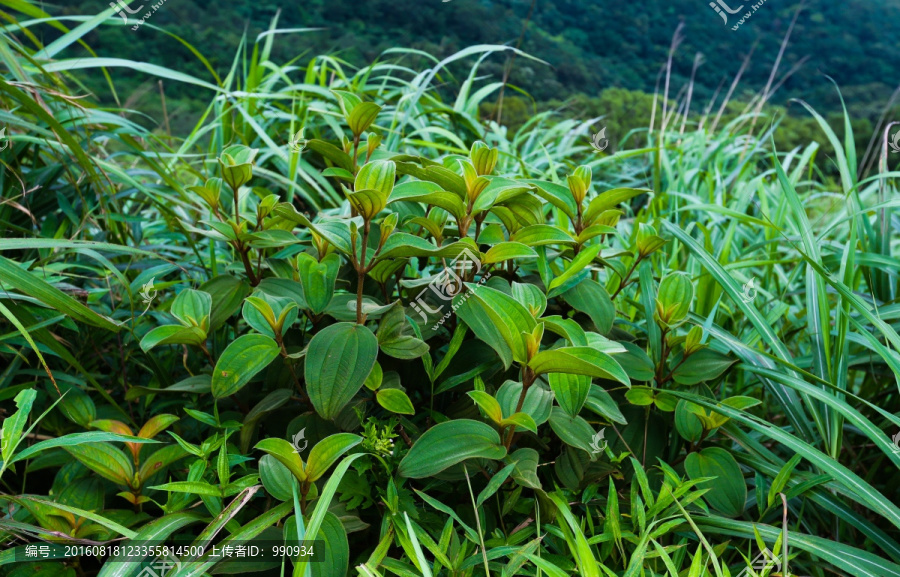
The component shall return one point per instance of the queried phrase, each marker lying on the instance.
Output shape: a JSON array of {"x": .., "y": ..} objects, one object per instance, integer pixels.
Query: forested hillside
[{"x": 588, "y": 45}]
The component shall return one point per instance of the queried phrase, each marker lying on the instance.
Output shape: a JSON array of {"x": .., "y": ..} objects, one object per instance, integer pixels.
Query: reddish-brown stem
[
  {"x": 405, "y": 437},
  {"x": 528, "y": 378},
  {"x": 248, "y": 266},
  {"x": 625, "y": 281},
  {"x": 664, "y": 353}
]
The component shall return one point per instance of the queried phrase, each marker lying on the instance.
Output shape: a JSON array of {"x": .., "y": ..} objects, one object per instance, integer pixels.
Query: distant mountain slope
[{"x": 591, "y": 44}]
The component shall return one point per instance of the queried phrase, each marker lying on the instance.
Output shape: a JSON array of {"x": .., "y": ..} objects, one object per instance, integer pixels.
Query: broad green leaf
[
  {"x": 240, "y": 362},
  {"x": 507, "y": 251},
  {"x": 687, "y": 423},
  {"x": 578, "y": 264},
  {"x": 537, "y": 404},
  {"x": 729, "y": 490},
  {"x": 335, "y": 548},
  {"x": 156, "y": 425},
  {"x": 703, "y": 365},
  {"x": 105, "y": 460},
  {"x": 571, "y": 391},
  {"x": 486, "y": 307},
  {"x": 531, "y": 297},
  {"x": 78, "y": 406},
  {"x": 192, "y": 307},
  {"x": 173, "y": 335},
  {"x": 556, "y": 194},
  {"x": 267, "y": 313},
  {"x": 375, "y": 378},
  {"x": 338, "y": 360},
  {"x": 591, "y": 298},
  {"x": 637, "y": 364},
  {"x": 641, "y": 396},
  {"x": 403, "y": 245},
  {"x": 541, "y": 234},
  {"x": 441, "y": 199},
  {"x": 227, "y": 293},
  {"x": 574, "y": 431},
  {"x": 276, "y": 478},
  {"x": 361, "y": 117},
  {"x": 579, "y": 361},
  {"x": 317, "y": 279},
  {"x": 520, "y": 421},
  {"x": 610, "y": 199},
  {"x": 159, "y": 460},
  {"x": 327, "y": 451},
  {"x": 347, "y": 101},
  {"x": 368, "y": 203},
  {"x": 525, "y": 472},
  {"x": 449, "y": 443},
  {"x": 395, "y": 401},
  {"x": 74, "y": 439},
  {"x": 600, "y": 402},
  {"x": 285, "y": 453},
  {"x": 488, "y": 404},
  {"x": 396, "y": 337}
]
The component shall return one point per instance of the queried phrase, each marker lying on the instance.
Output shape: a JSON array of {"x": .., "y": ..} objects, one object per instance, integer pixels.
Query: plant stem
[
  {"x": 528, "y": 378},
  {"x": 625, "y": 280},
  {"x": 487, "y": 572},
  {"x": 355, "y": 152},
  {"x": 361, "y": 275},
  {"x": 248, "y": 266}
]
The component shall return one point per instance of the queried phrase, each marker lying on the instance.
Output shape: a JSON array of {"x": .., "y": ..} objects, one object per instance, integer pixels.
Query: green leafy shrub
[{"x": 440, "y": 348}]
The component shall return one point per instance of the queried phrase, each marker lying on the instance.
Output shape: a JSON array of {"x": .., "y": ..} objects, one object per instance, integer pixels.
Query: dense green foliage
[
  {"x": 345, "y": 309},
  {"x": 590, "y": 45},
  {"x": 587, "y": 47}
]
